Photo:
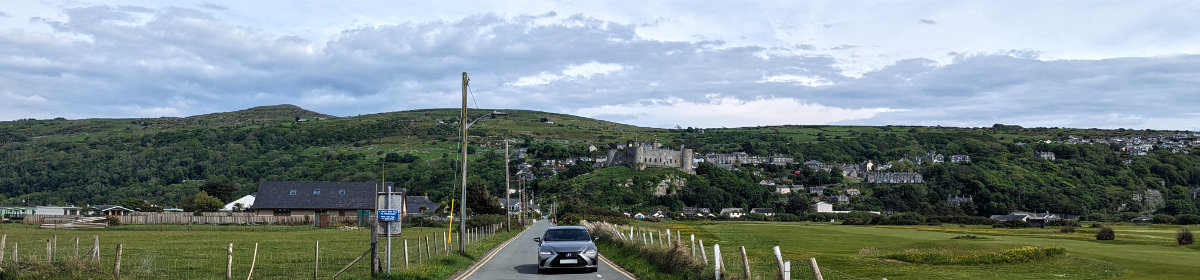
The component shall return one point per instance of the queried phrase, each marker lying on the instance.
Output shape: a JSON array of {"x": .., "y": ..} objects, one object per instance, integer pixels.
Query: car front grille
[{"x": 579, "y": 261}]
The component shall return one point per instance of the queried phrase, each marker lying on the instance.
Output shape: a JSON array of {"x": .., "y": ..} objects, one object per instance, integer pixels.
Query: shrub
[
  {"x": 1162, "y": 219},
  {"x": 485, "y": 220},
  {"x": 1062, "y": 223},
  {"x": 785, "y": 217},
  {"x": 1067, "y": 229},
  {"x": 962, "y": 220},
  {"x": 906, "y": 218},
  {"x": 1095, "y": 225},
  {"x": 1106, "y": 233},
  {"x": 1014, "y": 255},
  {"x": 111, "y": 220},
  {"x": 1011, "y": 224},
  {"x": 1187, "y": 219},
  {"x": 969, "y": 236},
  {"x": 415, "y": 221},
  {"x": 1184, "y": 236},
  {"x": 755, "y": 217}
]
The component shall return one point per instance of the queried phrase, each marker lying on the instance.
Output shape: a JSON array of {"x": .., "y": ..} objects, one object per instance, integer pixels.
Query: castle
[{"x": 643, "y": 155}]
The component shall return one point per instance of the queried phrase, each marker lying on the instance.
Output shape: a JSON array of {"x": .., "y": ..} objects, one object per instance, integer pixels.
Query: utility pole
[
  {"x": 507, "y": 190},
  {"x": 522, "y": 198},
  {"x": 462, "y": 226}
]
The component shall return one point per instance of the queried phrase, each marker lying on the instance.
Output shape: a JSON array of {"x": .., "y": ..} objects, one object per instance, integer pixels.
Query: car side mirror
[{"x": 537, "y": 239}]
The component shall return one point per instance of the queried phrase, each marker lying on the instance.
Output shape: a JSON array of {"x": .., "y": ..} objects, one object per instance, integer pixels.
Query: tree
[
  {"x": 480, "y": 202},
  {"x": 223, "y": 191},
  {"x": 1184, "y": 236},
  {"x": 206, "y": 203},
  {"x": 133, "y": 203}
]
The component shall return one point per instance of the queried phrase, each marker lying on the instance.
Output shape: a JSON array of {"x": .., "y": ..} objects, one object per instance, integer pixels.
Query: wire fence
[
  {"x": 730, "y": 262},
  {"x": 212, "y": 252}
]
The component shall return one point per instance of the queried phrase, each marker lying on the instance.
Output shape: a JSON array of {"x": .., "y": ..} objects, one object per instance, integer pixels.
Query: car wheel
[
  {"x": 594, "y": 269},
  {"x": 541, "y": 271}
]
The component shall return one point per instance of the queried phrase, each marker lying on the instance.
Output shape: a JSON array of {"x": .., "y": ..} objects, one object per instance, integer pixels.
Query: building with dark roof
[{"x": 313, "y": 198}]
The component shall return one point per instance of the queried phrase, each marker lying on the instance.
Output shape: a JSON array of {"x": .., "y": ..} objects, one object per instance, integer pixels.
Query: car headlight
[
  {"x": 591, "y": 253},
  {"x": 545, "y": 253}
]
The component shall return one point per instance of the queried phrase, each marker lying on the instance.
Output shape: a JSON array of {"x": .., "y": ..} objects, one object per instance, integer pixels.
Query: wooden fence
[{"x": 188, "y": 218}]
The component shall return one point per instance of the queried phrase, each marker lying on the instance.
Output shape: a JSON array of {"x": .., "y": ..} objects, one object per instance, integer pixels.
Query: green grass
[
  {"x": 199, "y": 252},
  {"x": 853, "y": 252}
]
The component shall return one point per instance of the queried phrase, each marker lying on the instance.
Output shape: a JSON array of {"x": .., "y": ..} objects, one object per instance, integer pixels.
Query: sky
[{"x": 709, "y": 64}]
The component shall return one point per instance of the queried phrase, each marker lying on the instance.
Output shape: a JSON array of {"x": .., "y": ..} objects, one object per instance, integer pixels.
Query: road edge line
[
  {"x": 616, "y": 268},
  {"x": 486, "y": 258}
]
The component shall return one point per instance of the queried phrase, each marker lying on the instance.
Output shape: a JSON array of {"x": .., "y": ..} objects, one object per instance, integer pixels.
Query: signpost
[{"x": 389, "y": 215}]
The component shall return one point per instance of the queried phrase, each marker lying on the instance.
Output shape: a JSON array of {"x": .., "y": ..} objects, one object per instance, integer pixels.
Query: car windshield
[{"x": 566, "y": 235}]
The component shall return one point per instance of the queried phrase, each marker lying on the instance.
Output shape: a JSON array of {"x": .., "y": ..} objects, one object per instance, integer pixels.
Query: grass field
[
  {"x": 854, "y": 252},
  {"x": 199, "y": 252}
]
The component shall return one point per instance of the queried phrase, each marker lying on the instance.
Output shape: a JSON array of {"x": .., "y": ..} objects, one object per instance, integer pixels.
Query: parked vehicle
[{"x": 567, "y": 247}]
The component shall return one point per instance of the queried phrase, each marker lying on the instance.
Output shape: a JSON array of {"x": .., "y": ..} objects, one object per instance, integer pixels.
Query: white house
[{"x": 823, "y": 207}]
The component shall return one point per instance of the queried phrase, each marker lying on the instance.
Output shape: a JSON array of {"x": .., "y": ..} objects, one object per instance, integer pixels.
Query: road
[{"x": 517, "y": 259}]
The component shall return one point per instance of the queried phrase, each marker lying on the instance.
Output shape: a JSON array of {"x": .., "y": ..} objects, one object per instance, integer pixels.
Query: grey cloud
[
  {"x": 985, "y": 89},
  {"x": 187, "y": 61},
  {"x": 211, "y": 6},
  {"x": 3, "y": 14},
  {"x": 928, "y": 21}
]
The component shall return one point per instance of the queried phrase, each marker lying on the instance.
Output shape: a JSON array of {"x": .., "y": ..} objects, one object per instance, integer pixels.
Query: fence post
[
  {"x": 316, "y": 258},
  {"x": 54, "y": 248},
  {"x": 49, "y": 252},
  {"x": 3, "y": 241},
  {"x": 717, "y": 261},
  {"x": 117, "y": 262},
  {"x": 16, "y": 256},
  {"x": 252, "y": 261},
  {"x": 428, "y": 253},
  {"x": 406, "y": 254},
  {"x": 693, "y": 238},
  {"x": 779, "y": 260},
  {"x": 678, "y": 238},
  {"x": 229, "y": 262},
  {"x": 668, "y": 237},
  {"x": 96, "y": 249},
  {"x": 787, "y": 270},
  {"x": 76, "y": 249},
  {"x": 446, "y": 244},
  {"x": 745, "y": 262},
  {"x": 703, "y": 255},
  {"x": 816, "y": 270}
]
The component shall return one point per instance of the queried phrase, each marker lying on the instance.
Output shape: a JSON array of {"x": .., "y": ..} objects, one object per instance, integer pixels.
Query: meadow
[
  {"x": 200, "y": 252},
  {"x": 934, "y": 252}
]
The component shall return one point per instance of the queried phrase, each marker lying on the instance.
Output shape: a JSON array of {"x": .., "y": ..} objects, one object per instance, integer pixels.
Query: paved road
[{"x": 517, "y": 259}]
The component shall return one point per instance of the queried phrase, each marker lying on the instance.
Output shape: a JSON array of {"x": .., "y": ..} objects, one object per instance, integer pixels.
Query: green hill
[{"x": 162, "y": 160}]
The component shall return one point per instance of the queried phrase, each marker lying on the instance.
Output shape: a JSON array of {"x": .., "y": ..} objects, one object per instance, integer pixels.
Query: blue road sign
[{"x": 389, "y": 215}]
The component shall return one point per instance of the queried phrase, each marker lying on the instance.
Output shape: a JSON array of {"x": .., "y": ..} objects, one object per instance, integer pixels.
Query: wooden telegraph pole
[
  {"x": 462, "y": 225},
  {"x": 507, "y": 188}
]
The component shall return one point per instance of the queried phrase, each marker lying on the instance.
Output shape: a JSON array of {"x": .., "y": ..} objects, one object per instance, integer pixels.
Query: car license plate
[{"x": 568, "y": 261}]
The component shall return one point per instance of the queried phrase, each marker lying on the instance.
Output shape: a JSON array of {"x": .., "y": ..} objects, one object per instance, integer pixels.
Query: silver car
[{"x": 566, "y": 247}]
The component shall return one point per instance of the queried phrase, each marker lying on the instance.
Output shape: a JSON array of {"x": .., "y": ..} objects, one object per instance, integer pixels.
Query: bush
[
  {"x": 785, "y": 217},
  {"x": 1187, "y": 219},
  {"x": 1184, "y": 237},
  {"x": 962, "y": 220},
  {"x": 415, "y": 221},
  {"x": 1106, "y": 233},
  {"x": 755, "y": 217},
  {"x": 1162, "y": 219},
  {"x": 1067, "y": 229},
  {"x": 485, "y": 220},
  {"x": 969, "y": 236},
  {"x": 1062, "y": 223},
  {"x": 1095, "y": 225},
  {"x": 112, "y": 220},
  {"x": 1014, "y": 255},
  {"x": 906, "y": 218},
  {"x": 1011, "y": 224}
]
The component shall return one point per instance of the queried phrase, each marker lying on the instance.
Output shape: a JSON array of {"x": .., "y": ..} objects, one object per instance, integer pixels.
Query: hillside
[{"x": 163, "y": 160}]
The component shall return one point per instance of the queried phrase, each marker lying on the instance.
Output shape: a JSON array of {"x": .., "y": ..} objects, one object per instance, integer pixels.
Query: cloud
[
  {"x": 928, "y": 21},
  {"x": 104, "y": 61},
  {"x": 574, "y": 71},
  {"x": 719, "y": 111},
  {"x": 3, "y": 14},
  {"x": 211, "y": 6}
]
